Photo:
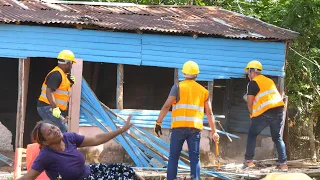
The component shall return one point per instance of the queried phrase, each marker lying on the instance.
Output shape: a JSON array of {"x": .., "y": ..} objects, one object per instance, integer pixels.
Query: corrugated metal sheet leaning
[{"x": 139, "y": 144}]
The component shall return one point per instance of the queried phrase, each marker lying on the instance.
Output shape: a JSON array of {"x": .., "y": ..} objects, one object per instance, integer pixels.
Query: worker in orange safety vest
[
  {"x": 266, "y": 108},
  {"x": 55, "y": 91},
  {"x": 189, "y": 101}
]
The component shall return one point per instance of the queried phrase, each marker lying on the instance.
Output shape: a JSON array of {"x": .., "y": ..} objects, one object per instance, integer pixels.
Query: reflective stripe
[
  {"x": 187, "y": 106},
  {"x": 272, "y": 101},
  {"x": 57, "y": 91},
  {"x": 57, "y": 100},
  {"x": 263, "y": 94},
  {"x": 184, "y": 118}
]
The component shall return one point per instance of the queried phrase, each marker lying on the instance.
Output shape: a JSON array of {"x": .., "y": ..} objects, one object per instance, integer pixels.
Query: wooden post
[
  {"x": 95, "y": 77},
  {"x": 120, "y": 76},
  {"x": 24, "y": 66},
  {"x": 210, "y": 89},
  {"x": 176, "y": 75},
  {"x": 75, "y": 99}
]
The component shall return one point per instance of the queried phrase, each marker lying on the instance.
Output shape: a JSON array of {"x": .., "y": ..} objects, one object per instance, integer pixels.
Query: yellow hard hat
[
  {"x": 190, "y": 67},
  {"x": 67, "y": 55},
  {"x": 253, "y": 65}
]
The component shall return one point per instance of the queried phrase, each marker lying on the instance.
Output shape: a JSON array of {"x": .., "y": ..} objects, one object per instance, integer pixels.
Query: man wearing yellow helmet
[
  {"x": 189, "y": 101},
  {"x": 266, "y": 108},
  {"x": 55, "y": 91}
]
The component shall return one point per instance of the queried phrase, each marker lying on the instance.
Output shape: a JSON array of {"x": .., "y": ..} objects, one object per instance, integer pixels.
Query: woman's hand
[{"x": 127, "y": 125}]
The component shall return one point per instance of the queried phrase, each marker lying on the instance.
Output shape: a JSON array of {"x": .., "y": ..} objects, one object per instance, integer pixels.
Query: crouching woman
[{"x": 60, "y": 158}]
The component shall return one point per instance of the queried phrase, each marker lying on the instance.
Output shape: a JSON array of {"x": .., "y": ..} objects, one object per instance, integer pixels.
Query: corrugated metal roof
[{"x": 202, "y": 20}]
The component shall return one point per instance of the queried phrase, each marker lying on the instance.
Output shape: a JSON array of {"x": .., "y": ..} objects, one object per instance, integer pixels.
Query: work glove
[
  {"x": 56, "y": 112},
  {"x": 72, "y": 78},
  {"x": 157, "y": 129}
]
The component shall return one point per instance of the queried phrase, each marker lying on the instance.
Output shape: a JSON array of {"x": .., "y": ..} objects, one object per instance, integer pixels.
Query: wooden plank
[
  {"x": 95, "y": 77},
  {"x": 217, "y": 53},
  {"x": 24, "y": 66},
  {"x": 119, "y": 96},
  {"x": 213, "y": 68},
  {"x": 74, "y": 105},
  {"x": 207, "y": 60},
  {"x": 176, "y": 76},
  {"x": 67, "y": 31},
  {"x": 148, "y": 38},
  {"x": 146, "y": 45},
  {"x": 213, "y": 50},
  {"x": 14, "y": 53},
  {"x": 78, "y": 50},
  {"x": 233, "y": 62},
  {"x": 14, "y": 41},
  {"x": 210, "y": 89}
]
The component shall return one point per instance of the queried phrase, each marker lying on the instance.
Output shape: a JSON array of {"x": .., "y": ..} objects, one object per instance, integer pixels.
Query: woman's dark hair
[{"x": 36, "y": 136}]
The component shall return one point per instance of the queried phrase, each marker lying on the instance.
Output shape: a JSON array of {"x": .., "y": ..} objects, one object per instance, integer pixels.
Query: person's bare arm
[
  {"x": 31, "y": 175},
  {"x": 105, "y": 137},
  {"x": 250, "y": 99},
  {"x": 211, "y": 120},
  {"x": 165, "y": 108},
  {"x": 50, "y": 97}
]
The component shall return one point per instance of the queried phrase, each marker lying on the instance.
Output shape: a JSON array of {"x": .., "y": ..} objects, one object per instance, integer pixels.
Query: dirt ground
[{"x": 227, "y": 165}]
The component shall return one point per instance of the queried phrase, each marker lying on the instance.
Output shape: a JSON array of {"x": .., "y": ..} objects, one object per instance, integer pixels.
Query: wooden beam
[
  {"x": 210, "y": 89},
  {"x": 120, "y": 76},
  {"x": 95, "y": 77},
  {"x": 176, "y": 75},
  {"x": 75, "y": 99},
  {"x": 24, "y": 67}
]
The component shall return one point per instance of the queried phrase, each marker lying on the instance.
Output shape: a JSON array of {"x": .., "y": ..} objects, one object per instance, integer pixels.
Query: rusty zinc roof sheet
[{"x": 201, "y": 20}]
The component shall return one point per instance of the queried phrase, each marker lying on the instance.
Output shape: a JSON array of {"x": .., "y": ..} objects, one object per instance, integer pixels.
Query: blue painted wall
[{"x": 218, "y": 58}]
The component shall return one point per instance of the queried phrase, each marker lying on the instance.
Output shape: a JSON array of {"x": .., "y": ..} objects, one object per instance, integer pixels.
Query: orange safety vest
[
  {"x": 62, "y": 94},
  {"x": 189, "y": 111},
  {"x": 268, "y": 97}
]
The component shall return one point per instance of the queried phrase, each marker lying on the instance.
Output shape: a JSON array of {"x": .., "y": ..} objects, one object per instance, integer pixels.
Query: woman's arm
[
  {"x": 31, "y": 175},
  {"x": 105, "y": 137}
]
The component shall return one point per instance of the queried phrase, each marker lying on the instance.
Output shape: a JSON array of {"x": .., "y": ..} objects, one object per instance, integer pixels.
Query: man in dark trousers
[
  {"x": 189, "y": 101},
  {"x": 266, "y": 108},
  {"x": 55, "y": 91}
]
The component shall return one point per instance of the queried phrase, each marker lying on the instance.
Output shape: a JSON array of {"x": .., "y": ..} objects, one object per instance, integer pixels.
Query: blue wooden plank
[
  {"x": 149, "y": 152},
  {"x": 220, "y": 47},
  {"x": 138, "y": 112},
  {"x": 244, "y": 60},
  {"x": 157, "y": 147},
  {"x": 72, "y": 37},
  {"x": 116, "y": 60},
  {"x": 16, "y": 53},
  {"x": 92, "y": 99},
  {"x": 233, "y": 70},
  {"x": 85, "y": 45},
  {"x": 148, "y": 38},
  {"x": 142, "y": 157},
  {"x": 68, "y": 31},
  {"x": 209, "y": 62},
  {"x": 252, "y": 55},
  {"x": 211, "y": 50},
  {"x": 241, "y": 74},
  {"x": 78, "y": 51}
]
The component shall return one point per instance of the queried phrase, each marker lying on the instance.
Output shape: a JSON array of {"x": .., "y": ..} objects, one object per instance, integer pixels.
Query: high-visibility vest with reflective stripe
[
  {"x": 62, "y": 94},
  {"x": 268, "y": 97},
  {"x": 189, "y": 111}
]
